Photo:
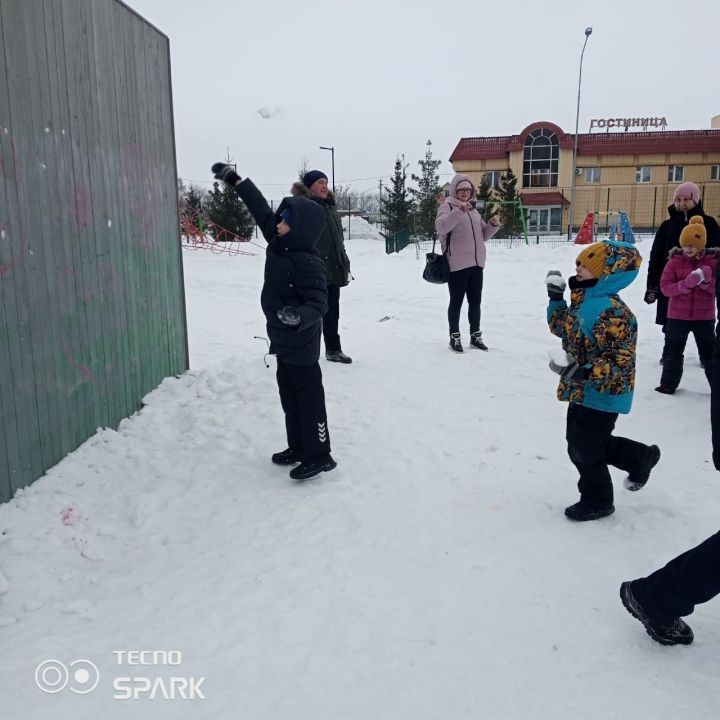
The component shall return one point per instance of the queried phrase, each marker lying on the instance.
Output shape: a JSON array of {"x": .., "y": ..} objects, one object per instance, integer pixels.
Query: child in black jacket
[{"x": 294, "y": 300}]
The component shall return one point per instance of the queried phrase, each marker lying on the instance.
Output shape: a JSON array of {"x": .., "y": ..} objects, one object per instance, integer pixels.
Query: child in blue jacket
[{"x": 599, "y": 333}]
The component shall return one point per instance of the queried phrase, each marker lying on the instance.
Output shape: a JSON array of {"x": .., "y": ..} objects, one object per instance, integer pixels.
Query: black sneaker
[
  {"x": 581, "y": 511},
  {"x": 313, "y": 466},
  {"x": 455, "y": 343},
  {"x": 287, "y": 457},
  {"x": 338, "y": 356},
  {"x": 667, "y": 632},
  {"x": 476, "y": 341},
  {"x": 665, "y": 390},
  {"x": 637, "y": 478}
]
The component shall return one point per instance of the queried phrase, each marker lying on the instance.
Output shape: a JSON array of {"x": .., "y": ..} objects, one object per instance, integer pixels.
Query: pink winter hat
[{"x": 687, "y": 189}]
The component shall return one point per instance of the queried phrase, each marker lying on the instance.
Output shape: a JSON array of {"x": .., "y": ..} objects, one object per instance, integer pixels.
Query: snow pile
[
  {"x": 358, "y": 228},
  {"x": 432, "y": 575}
]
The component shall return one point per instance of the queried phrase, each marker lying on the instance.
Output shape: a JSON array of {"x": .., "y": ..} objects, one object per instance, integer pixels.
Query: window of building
[
  {"x": 544, "y": 220},
  {"x": 494, "y": 178},
  {"x": 642, "y": 174},
  {"x": 540, "y": 159},
  {"x": 592, "y": 175},
  {"x": 715, "y": 172},
  {"x": 676, "y": 173}
]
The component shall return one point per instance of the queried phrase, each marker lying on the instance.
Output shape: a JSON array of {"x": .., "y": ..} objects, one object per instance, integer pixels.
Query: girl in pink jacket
[
  {"x": 688, "y": 280},
  {"x": 463, "y": 233}
]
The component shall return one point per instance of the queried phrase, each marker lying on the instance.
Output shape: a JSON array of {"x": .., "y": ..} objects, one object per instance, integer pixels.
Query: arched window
[{"x": 540, "y": 159}]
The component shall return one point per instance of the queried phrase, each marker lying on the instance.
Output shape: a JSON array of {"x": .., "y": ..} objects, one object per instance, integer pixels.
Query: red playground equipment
[{"x": 199, "y": 233}]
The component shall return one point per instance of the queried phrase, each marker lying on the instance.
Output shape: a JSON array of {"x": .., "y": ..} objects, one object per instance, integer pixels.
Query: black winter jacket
[
  {"x": 668, "y": 237},
  {"x": 294, "y": 274}
]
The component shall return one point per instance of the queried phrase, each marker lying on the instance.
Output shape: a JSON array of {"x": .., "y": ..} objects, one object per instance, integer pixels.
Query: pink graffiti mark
[
  {"x": 136, "y": 169},
  {"x": 81, "y": 202},
  {"x": 22, "y": 187},
  {"x": 74, "y": 293},
  {"x": 67, "y": 277},
  {"x": 86, "y": 372}
]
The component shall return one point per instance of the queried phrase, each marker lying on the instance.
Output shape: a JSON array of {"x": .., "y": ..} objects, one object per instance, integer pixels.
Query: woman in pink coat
[
  {"x": 688, "y": 281},
  {"x": 463, "y": 233}
]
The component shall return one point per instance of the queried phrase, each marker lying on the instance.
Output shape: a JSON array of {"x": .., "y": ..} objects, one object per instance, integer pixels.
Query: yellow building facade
[{"x": 634, "y": 172}]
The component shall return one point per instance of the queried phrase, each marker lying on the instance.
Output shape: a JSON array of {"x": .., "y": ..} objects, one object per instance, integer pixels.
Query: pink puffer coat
[
  {"x": 467, "y": 230},
  {"x": 689, "y": 303}
]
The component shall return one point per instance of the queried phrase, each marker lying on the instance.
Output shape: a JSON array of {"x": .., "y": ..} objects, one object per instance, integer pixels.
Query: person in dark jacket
[
  {"x": 332, "y": 250},
  {"x": 686, "y": 204},
  {"x": 660, "y": 600},
  {"x": 294, "y": 300}
]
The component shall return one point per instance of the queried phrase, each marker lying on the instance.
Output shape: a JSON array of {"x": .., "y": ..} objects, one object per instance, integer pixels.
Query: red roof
[
  {"x": 543, "y": 198},
  {"x": 616, "y": 143},
  {"x": 664, "y": 141}
]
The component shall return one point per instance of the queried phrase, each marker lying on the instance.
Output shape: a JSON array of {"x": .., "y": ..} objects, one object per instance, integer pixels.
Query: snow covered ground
[{"x": 431, "y": 576}]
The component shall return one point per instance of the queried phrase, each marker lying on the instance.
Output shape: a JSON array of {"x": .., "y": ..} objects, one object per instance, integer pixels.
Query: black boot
[
  {"x": 582, "y": 511},
  {"x": 674, "y": 631},
  {"x": 476, "y": 341},
  {"x": 287, "y": 457},
  {"x": 455, "y": 344},
  {"x": 638, "y": 477},
  {"x": 338, "y": 356},
  {"x": 313, "y": 466}
]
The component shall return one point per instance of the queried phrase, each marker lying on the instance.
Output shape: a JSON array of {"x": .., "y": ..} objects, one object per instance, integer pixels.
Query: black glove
[
  {"x": 572, "y": 371},
  {"x": 289, "y": 316},
  {"x": 555, "y": 285},
  {"x": 650, "y": 296},
  {"x": 226, "y": 173}
]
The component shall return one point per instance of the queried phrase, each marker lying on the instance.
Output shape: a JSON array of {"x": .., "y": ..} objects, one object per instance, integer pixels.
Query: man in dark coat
[
  {"x": 332, "y": 250},
  {"x": 660, "y": 600},
  {"x": 294, "y": 301},
  {"x": 686, "y": 203}
]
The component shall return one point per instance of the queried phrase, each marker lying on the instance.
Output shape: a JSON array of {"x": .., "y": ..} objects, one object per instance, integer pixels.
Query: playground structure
[
  {"x": 618, "y": 229},
  {"x": 199, "y": 233},
  {"x": 513, "y": 208}
]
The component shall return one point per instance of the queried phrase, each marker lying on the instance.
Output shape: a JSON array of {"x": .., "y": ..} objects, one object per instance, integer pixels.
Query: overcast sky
[{"x": 272, "y": 81}]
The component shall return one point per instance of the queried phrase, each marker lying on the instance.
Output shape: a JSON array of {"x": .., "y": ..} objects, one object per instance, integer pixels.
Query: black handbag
[{"x": 437, "y": 268}]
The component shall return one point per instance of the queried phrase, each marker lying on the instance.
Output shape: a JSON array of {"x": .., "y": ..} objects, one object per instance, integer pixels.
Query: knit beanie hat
[
  {"x": 694, "y": 233},
  {"x": 310, "y": 178},
  {"x": 593, "y": 258},
  {"x": 687, "y": 189}
]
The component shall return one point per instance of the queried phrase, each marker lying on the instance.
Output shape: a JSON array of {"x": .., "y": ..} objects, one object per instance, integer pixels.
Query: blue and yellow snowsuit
[{"x": 600, "y": 331}]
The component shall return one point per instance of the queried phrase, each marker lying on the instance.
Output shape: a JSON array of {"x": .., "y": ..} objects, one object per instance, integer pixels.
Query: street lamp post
[
  {"x": 571, "y": 211},
  {"x": 332, "y": 151}
]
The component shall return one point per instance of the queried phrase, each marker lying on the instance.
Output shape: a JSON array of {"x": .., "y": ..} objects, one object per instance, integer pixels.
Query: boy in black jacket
[{"x": 294, "y": 300}]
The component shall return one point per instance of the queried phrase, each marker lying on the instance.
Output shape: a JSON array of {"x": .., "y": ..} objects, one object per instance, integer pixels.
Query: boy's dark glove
[
  {"x": 572, "y": 372},
  {"x": 226, "y": 173},
  {"x": 650, "y": 296},
  {"x": 555, "y": 285},
  {"x": 289, "y": 316}
]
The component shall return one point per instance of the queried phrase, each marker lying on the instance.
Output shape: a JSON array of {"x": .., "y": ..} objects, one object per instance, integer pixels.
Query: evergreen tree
[
  {"x": 484, "y": 196},
  {"x": 426, "y": 194},
  {"x": 193, "y": 207},
  {"x": 397, "y": 207},
  {"x": 227, "y": 210},
  {"x": 510, "y": 210}
]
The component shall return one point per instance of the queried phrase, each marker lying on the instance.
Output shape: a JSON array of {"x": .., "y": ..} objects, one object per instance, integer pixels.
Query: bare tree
[
  {"x": 362, "y": 201},
  {"x": 303, "y": 167}
]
